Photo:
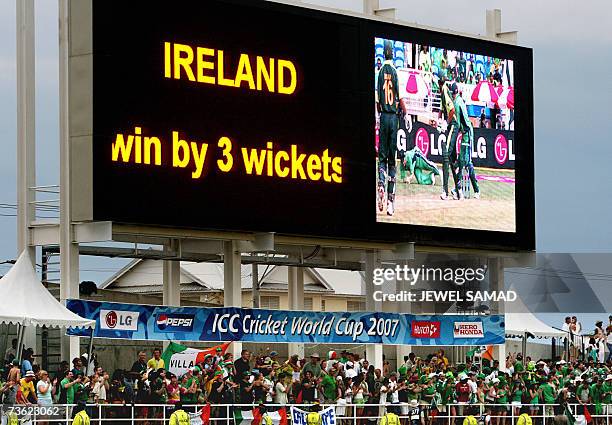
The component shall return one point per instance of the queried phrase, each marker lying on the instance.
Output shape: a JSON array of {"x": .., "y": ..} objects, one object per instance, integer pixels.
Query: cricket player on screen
[
  {"x": 465, "y": 152},
  {"x": 387, "y": 106},
  {"x": 449, "y": 149}
]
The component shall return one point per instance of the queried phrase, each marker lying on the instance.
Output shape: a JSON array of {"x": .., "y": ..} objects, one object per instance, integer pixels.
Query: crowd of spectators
[{"x": 343, "y": 379}]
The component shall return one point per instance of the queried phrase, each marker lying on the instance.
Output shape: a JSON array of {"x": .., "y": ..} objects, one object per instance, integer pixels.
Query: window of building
[
  {"x": 322, "y": 305},
  {"x": 308, "y": 304},
  {"x": 355, "y": 306},
  {"x": 269, "y": 302}
]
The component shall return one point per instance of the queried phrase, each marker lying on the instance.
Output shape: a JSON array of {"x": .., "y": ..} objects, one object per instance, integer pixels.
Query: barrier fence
[{"x": 346, "y": 414}]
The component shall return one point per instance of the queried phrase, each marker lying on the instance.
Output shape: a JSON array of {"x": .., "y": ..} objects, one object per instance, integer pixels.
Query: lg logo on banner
[{"x": 118, "y": 320}]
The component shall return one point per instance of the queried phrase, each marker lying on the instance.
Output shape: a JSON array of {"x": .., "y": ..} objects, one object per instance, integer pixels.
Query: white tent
[
  {"x": 521, "y": 321},
  {"x": 26, "y": 302}
]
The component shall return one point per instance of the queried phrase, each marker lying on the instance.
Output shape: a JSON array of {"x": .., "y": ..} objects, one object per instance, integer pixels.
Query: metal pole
[
  {"x": 525, "y": 345},
  {"x": 255, "y": 273},
  {"x": 19, "y": 350},
  {"x": 89, "y": 350},
  {"x": 26, "y": 129}
]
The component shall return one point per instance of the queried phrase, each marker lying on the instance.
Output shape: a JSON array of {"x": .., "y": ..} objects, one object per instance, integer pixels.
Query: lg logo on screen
[
  {"x": 422, "y": 140},
  {"x": 503, "y": 149}
]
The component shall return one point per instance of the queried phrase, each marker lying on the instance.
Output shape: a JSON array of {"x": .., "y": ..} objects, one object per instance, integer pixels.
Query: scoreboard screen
[{"x": 259, "y": 116}]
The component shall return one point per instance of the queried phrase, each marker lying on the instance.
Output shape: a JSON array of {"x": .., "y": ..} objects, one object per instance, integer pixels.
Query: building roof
[{"x": 146, "y": 276}]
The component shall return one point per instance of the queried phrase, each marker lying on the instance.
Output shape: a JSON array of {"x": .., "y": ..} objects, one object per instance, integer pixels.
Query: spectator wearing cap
[
  {"x": 14, "y": 373},
  {"x": 313, "y": 366},
  {"x": 27, "y": 387},
  {"x": 349, "y": 370},
  {"x": 245, "y": 394}
]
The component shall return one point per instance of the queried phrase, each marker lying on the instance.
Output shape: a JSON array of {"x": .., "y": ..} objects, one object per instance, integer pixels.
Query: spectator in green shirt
[
  {"x": 547, "y": 395},
  {"x": 329, "y": 388},
  {"x": 67, "y": 388}
]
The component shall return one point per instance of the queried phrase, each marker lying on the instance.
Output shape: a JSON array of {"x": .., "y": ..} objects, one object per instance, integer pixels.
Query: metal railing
[{"x": 346, "y": 414}]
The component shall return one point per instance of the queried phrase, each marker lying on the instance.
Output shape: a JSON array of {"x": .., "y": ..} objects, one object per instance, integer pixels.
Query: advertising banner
[
  {"x": 490, "y": 148},
  {"x": 223, "y": 324},
  {"x": 298, "y": 416}
]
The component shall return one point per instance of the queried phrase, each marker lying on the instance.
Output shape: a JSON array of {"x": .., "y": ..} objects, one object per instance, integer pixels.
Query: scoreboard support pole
[
  {"x": 496, "y": 283},
  {"x": 374, "y": 352},
  {"x": 295, "y": 280},
  {"x": 232, "y": 287},
  {"x": 402, "y": 351},
  {"x": 171, "y": 295},
  {"x": 69, "y": 249}
]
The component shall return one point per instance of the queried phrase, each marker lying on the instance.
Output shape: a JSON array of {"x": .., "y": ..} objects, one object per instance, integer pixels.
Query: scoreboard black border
[{"x": 367, "y": 30}]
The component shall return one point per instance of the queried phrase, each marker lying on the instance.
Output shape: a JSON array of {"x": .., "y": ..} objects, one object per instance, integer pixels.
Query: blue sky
[{"x": 572, "y": 90}]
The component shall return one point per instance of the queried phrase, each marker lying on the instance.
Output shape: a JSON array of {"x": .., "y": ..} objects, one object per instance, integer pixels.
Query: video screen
[{"x": 445, "y": 148}]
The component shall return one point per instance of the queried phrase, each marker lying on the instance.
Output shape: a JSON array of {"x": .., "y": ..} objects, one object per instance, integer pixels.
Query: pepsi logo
[
  {"x": 174, "y": 322},
  {"x": 162, "y": 321}
]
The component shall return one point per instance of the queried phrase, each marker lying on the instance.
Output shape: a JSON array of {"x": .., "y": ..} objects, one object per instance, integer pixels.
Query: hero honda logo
[
  {"x": 468, "y": 330},
  {"x": 174, "y": 322},
  {"x": 119, "y": 320},
  {"x": 425, "y": 329}
]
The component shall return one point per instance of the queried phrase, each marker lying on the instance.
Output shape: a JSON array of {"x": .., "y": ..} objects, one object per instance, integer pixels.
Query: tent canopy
[
  {"x": 522, "y": 320},
  {"x": 28, "y": 303}
]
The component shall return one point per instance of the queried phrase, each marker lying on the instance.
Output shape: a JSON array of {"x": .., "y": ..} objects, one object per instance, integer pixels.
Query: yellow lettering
[
  {"x": 281, "y": 171},
  {"x": 288, "y": 65},
  {"x": 296, "y": 164},
  {"x": 167, "y": 66},
  {"x": 265, "y": 74},
  {"x": 204, "y": 64},
  {"x": 199, "y": 156},
  {"x": 244, "y": 72},
  {"x": 313, "y": 167},
  {"x": 149, "y": 144},
  {"x": 184, "y": 62},
  {"x": 337, "y": 167},
  {"x": 222, "y": 81},
  {"x": 180, "y": 151},
  {"x": 120, "y": 147},
  {"x": 137, "y": 146},
  {"x": 270, "y": 160},
  {"x": 226, "y": 144},
  {"x": 254, "y": 159}
]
